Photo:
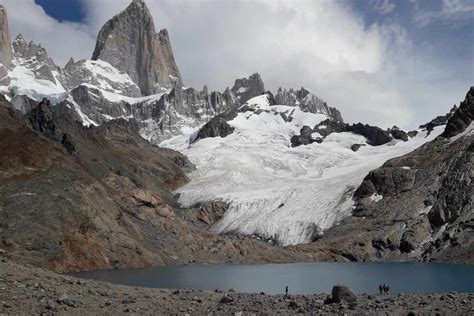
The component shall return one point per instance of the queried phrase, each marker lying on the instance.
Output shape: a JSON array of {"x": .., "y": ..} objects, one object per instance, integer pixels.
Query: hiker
[
  {"x": 381, "y": 288},
  {"x": 387, "y": 290},
  {"x": 286, "y": 291}
]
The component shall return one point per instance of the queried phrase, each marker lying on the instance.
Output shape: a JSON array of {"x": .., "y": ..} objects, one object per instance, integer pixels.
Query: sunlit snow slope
[{"x": 275, "y": 191}]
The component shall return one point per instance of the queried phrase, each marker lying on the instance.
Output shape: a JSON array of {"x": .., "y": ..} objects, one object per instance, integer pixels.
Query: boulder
[
  {"x": 356, "y": 147},
  {"x": 341, "y": 293}
]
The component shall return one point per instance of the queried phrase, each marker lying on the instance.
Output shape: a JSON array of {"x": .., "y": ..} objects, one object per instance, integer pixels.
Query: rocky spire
[
  {"x": 246, "y": 88},
  {"x": 130, "y": 43},
  {"x": 6, "y": 54}
]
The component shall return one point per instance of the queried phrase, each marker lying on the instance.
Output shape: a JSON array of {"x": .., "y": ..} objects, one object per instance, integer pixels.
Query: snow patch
[{"x": 376, "y": 197}]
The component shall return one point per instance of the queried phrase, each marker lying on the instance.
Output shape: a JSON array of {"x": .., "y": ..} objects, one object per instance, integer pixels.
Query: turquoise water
[{"x": 301, "y": 278}]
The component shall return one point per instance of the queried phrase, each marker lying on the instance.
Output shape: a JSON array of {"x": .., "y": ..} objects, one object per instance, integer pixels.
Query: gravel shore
[{"x": 26, "y": 290}]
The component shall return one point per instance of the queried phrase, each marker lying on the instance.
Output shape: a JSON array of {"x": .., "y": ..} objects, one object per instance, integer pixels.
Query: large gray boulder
[
  {"x": 6, "y": 54},
  {"x": 130, "y": 43},
  {"x": 341, "y": 293}
]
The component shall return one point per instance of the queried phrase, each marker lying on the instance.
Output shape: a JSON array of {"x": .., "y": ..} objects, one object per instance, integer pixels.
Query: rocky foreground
[{"x": 29, "y": 290}]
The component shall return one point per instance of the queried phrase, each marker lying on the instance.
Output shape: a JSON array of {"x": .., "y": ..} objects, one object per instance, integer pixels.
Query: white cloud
[
  {"x": 372, "y": 73},
  {"x": 383, "y": 6},
  {"x": 452, "y": 11},
  {"x": 61, "y": 40}
]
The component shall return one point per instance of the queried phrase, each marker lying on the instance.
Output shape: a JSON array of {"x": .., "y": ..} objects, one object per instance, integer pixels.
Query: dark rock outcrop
[
  {"x": 130, "y": 43},
  {"x": 246, "y": 88},
  {"x": 356, "y": 147},
  {"x": 42, "y": 120},
  {"x": 329, "y": 126},
  {"x": 462, "y": 118},
  {"x": 375, "y": 136},
  {"x": 399, "y": 134},
  {"x": 305, "y": 137},
  {"x": 412, "y": 134},
  {"x": 439, "y": 120},
  {"x": 217, "y": 127}
]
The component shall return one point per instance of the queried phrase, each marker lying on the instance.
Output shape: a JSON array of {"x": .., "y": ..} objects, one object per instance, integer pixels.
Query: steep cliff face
[
  {"x": 6, "y": 54},
  {"x": 130, "y": 43}
]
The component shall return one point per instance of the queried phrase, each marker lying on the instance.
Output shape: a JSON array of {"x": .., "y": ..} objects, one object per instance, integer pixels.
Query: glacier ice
[{"x": 275, "y": 191}]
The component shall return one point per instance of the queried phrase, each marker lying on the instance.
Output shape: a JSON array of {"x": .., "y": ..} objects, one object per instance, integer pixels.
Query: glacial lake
[{"x": 301, "y": 278}]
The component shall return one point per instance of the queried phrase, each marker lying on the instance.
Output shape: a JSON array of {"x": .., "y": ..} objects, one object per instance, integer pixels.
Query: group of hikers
[{"x": 384, "y": 288}]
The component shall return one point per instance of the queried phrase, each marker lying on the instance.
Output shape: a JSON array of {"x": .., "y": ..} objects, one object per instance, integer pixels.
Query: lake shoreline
[{"x": 29, "y": 290}]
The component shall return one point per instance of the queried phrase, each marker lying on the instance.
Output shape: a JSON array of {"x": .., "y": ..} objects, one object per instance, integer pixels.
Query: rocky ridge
[
  {"x": 132, "y": 74},
  {"x": 416, "y": 207}
]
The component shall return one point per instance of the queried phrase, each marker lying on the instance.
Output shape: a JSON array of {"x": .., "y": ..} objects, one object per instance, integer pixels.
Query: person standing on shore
[
  {"x": 286, "y": 291},
  {"x": 381, "y": 288}
]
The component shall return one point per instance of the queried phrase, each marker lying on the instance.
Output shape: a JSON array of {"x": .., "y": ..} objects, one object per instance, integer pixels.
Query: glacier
[{"x": 276, "y": 192}]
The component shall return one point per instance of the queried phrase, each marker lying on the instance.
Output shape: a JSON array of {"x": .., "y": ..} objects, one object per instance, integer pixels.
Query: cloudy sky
[{"x": 379, "y": 61}]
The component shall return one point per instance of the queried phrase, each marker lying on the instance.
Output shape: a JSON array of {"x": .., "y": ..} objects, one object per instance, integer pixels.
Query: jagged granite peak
[
  {"x": 246, "y": 88},
  {"x": 307, "y": 101},
  {"x": 30, "y": 50},
  {"x": 439, "y": 120},
  {"x": 6, "y": 54},
  {"x": 462, "y": 117},
  {"x": 130, "y": 43},
  {"x": 34, "y": 57}
]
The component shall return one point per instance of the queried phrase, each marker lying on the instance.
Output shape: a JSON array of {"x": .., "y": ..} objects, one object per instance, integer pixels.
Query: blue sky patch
[{"x": 64, "y": 10}]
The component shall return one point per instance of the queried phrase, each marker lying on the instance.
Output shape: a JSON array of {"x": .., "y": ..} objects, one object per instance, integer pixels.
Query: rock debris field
[{"x": 25, "y": 290}]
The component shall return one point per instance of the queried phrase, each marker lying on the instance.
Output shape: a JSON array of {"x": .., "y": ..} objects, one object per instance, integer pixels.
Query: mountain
[
  {"x": 415, "y": 207},
  {"x": 274, "y": 190},
  {"x": 130, "y": 43},
  {"x": 130, "y": 63},
  {"x": 86, "y": 198},
  {"x": 81, "y": 168}
]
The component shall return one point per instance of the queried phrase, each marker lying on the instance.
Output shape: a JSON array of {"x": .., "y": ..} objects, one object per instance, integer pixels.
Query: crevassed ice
[{"x": 275, "y": 191}]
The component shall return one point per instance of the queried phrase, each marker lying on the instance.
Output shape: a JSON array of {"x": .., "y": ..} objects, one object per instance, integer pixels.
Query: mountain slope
[
  {"x": 77, "y": 198},
  {"x": 288, "y": 195},
  {"x": 424, "y": 210}
]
